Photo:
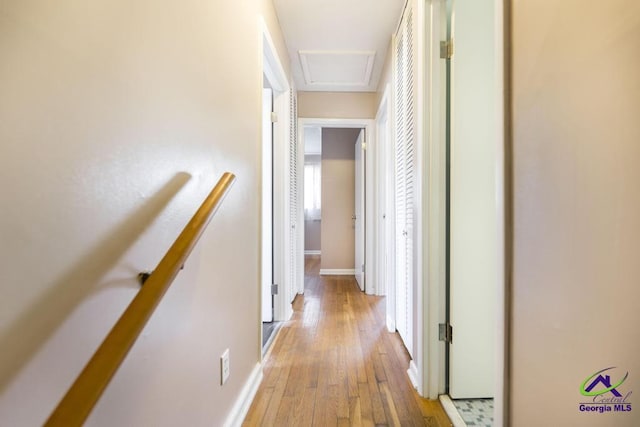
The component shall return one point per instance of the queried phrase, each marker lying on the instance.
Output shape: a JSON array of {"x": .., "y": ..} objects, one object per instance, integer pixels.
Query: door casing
[
  {"x": 359, "y": 218},
  {"x": 274, "y": 73}
]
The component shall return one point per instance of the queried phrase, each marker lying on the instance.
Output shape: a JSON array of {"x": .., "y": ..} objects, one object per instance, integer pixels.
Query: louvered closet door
[
  {"x": 293, "y": 196},
  {"x": 405, "y": 178}
]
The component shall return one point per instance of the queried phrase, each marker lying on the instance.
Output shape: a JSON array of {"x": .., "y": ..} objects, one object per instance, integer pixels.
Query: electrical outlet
[{"x": 224, "y": 367}]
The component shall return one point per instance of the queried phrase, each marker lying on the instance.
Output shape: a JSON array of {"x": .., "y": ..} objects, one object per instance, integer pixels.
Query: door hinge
[
  {"x": 363, "y": 268},
  {"x": 274, "y": 117},
  {"x": 446, "y": 49},
  {"x": 274, "y": 289},
  {"x": 445, "y": 332}
]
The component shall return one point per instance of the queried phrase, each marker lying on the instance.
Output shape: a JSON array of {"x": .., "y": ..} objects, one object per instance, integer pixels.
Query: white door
[
  {"x": 405, "y": 162},
  {"x": 296, "y": 207},
  {"x": 473, "y": 205},
  {"x": 358, "y": 216},
  {"x": 385, "y": 210},
  {"x": 382, "y": 125},
  {"x": 267, "y": 206}
]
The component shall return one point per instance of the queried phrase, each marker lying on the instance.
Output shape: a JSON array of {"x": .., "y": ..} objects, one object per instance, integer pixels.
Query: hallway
[{"x": 335, "y": 363}]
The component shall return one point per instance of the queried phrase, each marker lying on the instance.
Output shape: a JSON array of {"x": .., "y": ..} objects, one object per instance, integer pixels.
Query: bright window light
[{"x": 312, "y": 189}]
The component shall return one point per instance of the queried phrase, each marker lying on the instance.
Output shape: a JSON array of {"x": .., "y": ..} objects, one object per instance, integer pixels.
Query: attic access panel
[{"x": 340, "y": 68}]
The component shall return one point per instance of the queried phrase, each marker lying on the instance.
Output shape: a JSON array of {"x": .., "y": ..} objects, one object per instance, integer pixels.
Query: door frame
[
  {"x": 266, "y": 207},
  {"x": 273, "y": 71},
  {"x": 370, "y": 174},
  {"x": 359, "y": 207},
  {"x": 433, "y": 160},
  {"x": 385, "y": 206}
]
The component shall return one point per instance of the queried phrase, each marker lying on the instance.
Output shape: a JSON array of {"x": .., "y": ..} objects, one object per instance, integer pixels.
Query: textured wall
[
  {"x": 117, "y": 120},
  {"x": 576, "y": 100}
]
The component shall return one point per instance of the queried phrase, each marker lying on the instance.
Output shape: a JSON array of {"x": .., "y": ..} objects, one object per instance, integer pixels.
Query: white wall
[
  {"x": 386, "y": 75},
  {"x": 576, "y": 141},
  {"x": 116, "y": 122}
]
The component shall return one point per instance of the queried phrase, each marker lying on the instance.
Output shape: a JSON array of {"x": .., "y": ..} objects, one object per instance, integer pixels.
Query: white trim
[
  {"x": 413, "y": 374},
  {"x": 383, "y": 173},
  {"x": 271, "y": 65},
  {"x": 434, "y": 160},
  {"x": 312, "y": 252},
  {"x": 337, "y": 271},
  {"x": 421, "y": 228},
  {"x": 500, "y": 398},
  {"x": 452, "y": 411},
  {"x": 334, "y": 123},
  {"x": 269, "y": 344},
  {"x": 391, "y": 323},
  {"x": 275, "y": 74},
  {"x": 245, "y": 398}
]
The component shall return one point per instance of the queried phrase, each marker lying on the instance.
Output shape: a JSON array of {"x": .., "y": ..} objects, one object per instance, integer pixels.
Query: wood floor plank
[
  {"x": 389, "y": 405},
  {"x": 366, "y": 410},
  {"x": 303, "y": 414},
  {"x": 334, "y": 363},
  {"x": 355, "y": 413},
  {"x": 261, "y": 404}
]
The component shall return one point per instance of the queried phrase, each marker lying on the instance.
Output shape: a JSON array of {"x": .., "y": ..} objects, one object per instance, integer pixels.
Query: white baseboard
[
  {"x": 451, "y": 411},
  {"x": 391, "y": 324},
  {"x": 312, "y": 252},
  {"x": 244, "y": 400},
  {"x": 337, "y": 271},
  {"x": 413, "y": 375}
]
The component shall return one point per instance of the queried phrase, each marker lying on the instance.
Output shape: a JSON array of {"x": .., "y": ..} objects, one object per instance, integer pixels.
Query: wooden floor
[{"x": 335, "y": 364}]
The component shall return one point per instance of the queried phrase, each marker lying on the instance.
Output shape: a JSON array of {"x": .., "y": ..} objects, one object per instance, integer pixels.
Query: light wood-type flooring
[{"x": 335, "y": 364}]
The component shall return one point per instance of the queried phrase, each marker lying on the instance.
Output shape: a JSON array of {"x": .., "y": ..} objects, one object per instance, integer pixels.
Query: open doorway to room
[
  {"x": 335, "y": 198},
  {"x": 338, "y": 235},
  {"x": 448, "y": 183},
  {"x": 275, "y": 286},
  {"x": 269, "y": 325},
  {"x": 475, "y": 221}
]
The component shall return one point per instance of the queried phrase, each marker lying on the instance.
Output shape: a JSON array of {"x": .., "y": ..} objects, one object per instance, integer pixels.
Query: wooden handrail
[{"x": 76, "y": 405}]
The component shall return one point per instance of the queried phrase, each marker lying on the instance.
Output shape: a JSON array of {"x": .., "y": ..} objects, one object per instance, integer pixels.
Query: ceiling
[{"x": 338, "y": 45}]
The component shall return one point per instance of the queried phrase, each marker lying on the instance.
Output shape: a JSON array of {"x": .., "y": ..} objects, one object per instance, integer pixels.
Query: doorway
[
  {"x": 476, "y": 103},
  {"x": 267, "y": 203},
  {"x": 473, "y": 211},
  {"x": 385, "y": 207},
  {"x": 341, "y": 252},
  {"x": 269, "y": 325},
  {"x": 475, "y": 221},
  {"x": 277, "y": 129},
  {"x": 359, "y": 218}
]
